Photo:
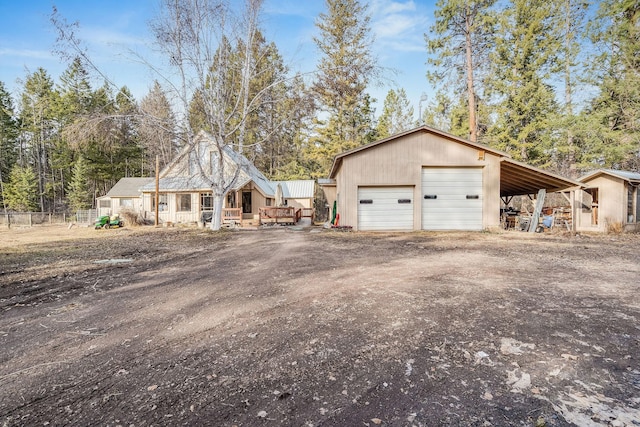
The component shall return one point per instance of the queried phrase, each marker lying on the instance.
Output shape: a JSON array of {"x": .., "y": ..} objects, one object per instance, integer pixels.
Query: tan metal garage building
[{"x": 426, "y": 179}]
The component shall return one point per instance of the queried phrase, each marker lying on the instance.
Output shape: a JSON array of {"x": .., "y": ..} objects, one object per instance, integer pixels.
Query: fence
[
  {"x": 86, "y": 216},
  {"x": 28, "y": 219}
]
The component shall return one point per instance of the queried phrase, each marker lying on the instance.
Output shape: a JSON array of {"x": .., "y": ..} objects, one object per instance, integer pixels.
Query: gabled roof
[
  {"x": 623, "y": 175},
  {"x": 298, "y": 189},
  {"x": 178, "y": 182},
  {"x": 337, "y": 161},
  {"x": 128, "y": 187}
]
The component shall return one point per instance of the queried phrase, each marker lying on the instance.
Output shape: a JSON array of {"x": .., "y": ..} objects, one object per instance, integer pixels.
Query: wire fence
[{"x": 29, "y": 219}]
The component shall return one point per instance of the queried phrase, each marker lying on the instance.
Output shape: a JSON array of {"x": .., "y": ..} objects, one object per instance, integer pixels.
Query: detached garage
[{"x": 425, "y": 179}]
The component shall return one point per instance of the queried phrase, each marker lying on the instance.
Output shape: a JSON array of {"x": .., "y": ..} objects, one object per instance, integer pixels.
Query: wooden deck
[
  {"x": 266, "y": 215},
  {"x": 279, "y": 215}
]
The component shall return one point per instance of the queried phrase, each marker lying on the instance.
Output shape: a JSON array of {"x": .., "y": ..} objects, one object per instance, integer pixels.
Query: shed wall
[{"x": 611, "y": 203}]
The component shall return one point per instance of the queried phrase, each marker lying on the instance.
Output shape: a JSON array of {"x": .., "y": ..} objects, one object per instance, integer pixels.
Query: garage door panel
[
  {"x": 453, "y": 199},
  {"x": 385, "y": 208}
]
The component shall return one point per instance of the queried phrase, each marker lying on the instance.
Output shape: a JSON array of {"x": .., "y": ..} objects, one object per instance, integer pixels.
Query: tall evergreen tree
[
  {"x": 524, "y": 100},
  {"x": 346, "y": 68},
  {"x": 79, "y": 192},
  {"x": 71, "y": 107},
  {"x": 21, "y": 192},
  {"x": 8, "y": 139},
  {"x": 459, "y": 44},
  {"x": 613, "y": 118},
  {"x": 157, "y": 127},
  {"x": 568, "y": 28},
  {"x": 38, "y": 128},
  {"x": 397, "y": 114}
]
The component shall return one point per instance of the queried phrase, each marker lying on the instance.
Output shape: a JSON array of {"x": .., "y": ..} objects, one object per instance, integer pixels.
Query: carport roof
[{"x": 517, "y": 179}]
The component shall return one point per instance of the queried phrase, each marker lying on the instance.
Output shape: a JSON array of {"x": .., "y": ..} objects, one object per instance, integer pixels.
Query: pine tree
[
  {"x": 157, "y": 127},
  {"x": 397, "y": 114},
  {"x": 613, "y": 117},
  {"x": 346, "y": 68},
  {"x": 39, "y": 128},
  {"x": 462, "y": 36},
  {"x": 8, "y": 139},
  {"x": 21, "y": 192},
  {"x": 524, "y": 100},
  {"x": 79, "y": 194}
]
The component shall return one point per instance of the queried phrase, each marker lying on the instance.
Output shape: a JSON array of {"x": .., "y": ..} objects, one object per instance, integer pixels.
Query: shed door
[
  {"x": 451, "y": 199},
  {"x": 385, "y": 208}
]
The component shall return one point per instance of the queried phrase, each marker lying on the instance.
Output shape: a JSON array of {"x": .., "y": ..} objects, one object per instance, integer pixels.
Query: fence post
[
  {"x": 30, "y": 219},
  {"x": 8, "y": 221}
]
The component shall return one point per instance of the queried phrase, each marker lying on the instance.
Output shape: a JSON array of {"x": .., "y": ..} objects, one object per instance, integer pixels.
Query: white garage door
[
  {"x": 452, "y": 199},
  {"x": 385, "y": 208}
]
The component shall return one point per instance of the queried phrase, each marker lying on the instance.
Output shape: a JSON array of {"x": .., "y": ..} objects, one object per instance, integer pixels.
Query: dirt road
[{"x": 297, "y": 328}]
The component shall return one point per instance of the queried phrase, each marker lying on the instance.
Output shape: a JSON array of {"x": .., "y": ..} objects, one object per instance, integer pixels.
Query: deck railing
[
  {"x": 277, "y": 215},
  {"x": 231, "y": 214}
]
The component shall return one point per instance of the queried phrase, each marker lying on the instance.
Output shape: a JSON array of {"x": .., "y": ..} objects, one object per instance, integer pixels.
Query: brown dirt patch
[{"x": 284, "y": 327}]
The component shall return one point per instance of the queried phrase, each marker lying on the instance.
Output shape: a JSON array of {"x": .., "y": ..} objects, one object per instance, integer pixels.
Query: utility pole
[{"x": 157, "y": 189}]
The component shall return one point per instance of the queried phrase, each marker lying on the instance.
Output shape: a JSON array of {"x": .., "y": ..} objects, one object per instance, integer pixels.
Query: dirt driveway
[{"x": 298, "y": 328}]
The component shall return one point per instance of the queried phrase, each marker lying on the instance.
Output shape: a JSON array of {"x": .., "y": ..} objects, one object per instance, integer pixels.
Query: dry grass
[{"x": 613, "y": 227}]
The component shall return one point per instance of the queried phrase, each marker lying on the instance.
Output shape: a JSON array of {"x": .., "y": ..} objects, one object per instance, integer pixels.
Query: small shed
[
  {"x": 297, "y": 193},
  {"x": 610, "y": 201},
  {"x": 124, "y": 195}
]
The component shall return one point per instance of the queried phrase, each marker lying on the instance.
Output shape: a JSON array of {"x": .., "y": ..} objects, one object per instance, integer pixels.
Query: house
[
  {"x": 610, "y": 200},
  {"x": 185, "y": 195},
  {"x": 124, "y": 195},
  {"x": 426, "y": 179}
]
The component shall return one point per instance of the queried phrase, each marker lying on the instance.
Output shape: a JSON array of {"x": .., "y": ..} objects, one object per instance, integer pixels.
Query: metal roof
[
  {"x": 128, "y": 187},
  {"x": 297, "y": 189},
  {"x": 248, "y": 172},
  {"x": 518, "y": 179},
  {"x": 624, "y": 175},
  {"x": 338, "y": 159}
]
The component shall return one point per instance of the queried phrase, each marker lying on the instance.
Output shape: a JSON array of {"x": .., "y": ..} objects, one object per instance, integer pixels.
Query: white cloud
[
  {"x": 26, "y": 53},
  {"x": 385, "y": 6},
  {"x": 106, "y": 36},
  {"x": 398, "y": 25}
]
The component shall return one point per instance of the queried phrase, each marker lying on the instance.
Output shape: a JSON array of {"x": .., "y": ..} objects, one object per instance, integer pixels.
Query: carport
[{"x": 520, "y": 179}]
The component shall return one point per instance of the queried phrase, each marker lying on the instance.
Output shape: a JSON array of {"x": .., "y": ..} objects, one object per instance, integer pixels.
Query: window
[
  {"x": 184, "y": 202},
  {"x": 268, "y": 202},
  {"x": 105, "y": 203},
  {"x": 163, "y": 202},
  {"x": 206, "y": 201},
  {"x": 126, "y": 203}
]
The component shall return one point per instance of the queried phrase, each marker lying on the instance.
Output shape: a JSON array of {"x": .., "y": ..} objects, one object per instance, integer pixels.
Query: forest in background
[{"x": 553, "y": 83}]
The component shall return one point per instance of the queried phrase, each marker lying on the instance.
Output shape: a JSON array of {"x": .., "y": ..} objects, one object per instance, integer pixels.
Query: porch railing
[{"x": 231, "y": 214}]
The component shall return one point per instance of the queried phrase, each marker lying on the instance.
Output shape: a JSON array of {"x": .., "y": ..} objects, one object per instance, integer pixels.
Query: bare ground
[{"x": 298, "y": 328}]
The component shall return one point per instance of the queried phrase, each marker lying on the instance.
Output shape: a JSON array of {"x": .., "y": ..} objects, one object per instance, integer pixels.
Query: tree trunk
[
  {"x": 216, "y": 219},
  {"x": 471, "y": 93}
]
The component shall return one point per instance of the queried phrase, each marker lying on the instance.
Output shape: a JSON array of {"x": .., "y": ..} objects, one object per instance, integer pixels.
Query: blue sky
[{"x": 112, "y": 29}]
